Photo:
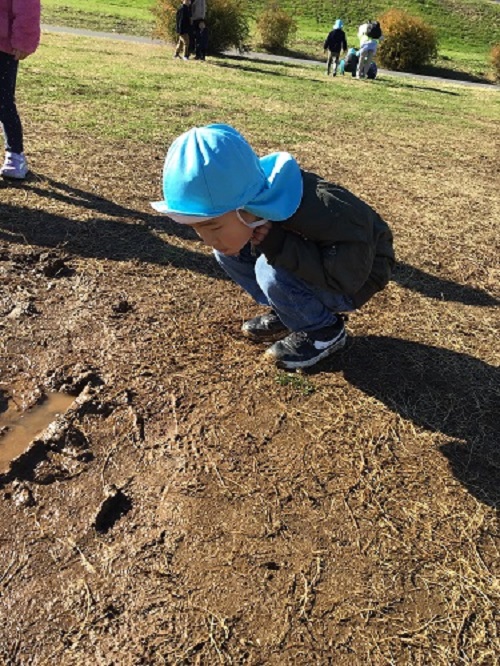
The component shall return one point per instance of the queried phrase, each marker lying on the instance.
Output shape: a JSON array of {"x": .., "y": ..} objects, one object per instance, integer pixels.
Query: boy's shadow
[
  {"x": 440, "y": 390},
  {"x": 431, "y": 286},
  {"x": 117, "y": 240},
  {"x": 132, "y": 235},
  {"x": 74, "y": 196}
]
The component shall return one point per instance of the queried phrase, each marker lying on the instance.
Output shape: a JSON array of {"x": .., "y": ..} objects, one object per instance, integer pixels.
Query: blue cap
[
  {"x": 211, "y": 170},
  {"x": 338, "y": 24}
]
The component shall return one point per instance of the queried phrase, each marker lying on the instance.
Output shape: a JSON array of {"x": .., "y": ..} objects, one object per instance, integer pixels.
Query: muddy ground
[{"x": 197, "y": 506}]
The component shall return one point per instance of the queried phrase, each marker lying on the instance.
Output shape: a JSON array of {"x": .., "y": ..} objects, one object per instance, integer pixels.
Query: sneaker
[
  {"x": 15, "y": 166},
  {"x": 185, "y": 57},
  {"x": 301, "y": 349},
  {"x": 264, "y": 328}
]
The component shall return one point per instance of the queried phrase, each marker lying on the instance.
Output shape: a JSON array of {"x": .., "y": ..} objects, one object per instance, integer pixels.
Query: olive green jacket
[{"x": 334, "y": 241}]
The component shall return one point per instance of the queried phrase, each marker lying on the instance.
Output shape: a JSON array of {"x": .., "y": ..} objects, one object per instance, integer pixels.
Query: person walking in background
[
  {"x": 201, "y": 41},
  {"x": 183, "y": 27},
  {"x": 19, "y": 38},
  {"x": 198, "y": 11},
  {"x": 351, "y": 62},
  {"x": 369, "y": 34},
  {"x": 335, "y": 43}
]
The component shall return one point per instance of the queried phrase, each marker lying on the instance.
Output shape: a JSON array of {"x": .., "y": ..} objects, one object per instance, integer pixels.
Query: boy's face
[{"x": 226, "y": 234}]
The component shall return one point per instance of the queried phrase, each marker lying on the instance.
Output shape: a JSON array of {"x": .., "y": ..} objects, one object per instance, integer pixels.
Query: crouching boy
[{"x": 307, "y": 249}]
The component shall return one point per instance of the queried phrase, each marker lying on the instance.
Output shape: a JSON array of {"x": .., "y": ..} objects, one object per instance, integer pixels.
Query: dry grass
[{"x": 346, "y": 517}]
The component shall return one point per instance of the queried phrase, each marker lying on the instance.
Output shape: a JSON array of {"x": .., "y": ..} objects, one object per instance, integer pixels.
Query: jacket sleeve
[
  {"x": 25, "y": 25},
  {"x": 328, "y": 267}
]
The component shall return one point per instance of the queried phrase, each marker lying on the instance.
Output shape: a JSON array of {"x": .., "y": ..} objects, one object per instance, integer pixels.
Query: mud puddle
[{"x": 23, "y": 428}]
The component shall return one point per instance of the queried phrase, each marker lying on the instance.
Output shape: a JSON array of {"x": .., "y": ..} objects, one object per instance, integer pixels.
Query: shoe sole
[
  {"x": 295, "y": 365},
  {"x": 10, "y": 177}
]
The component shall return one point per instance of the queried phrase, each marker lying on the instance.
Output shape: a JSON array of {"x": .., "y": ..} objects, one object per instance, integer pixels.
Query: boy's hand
[{"x": 259, "y": 233}]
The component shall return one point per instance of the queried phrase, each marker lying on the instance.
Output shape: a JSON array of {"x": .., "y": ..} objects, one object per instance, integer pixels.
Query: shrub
[
  {"x": 275, "y": 26},
  {"x": 226, "y": 22},
  {"x": 408, "y": 41},
  {"x": 495, "y": 61}
]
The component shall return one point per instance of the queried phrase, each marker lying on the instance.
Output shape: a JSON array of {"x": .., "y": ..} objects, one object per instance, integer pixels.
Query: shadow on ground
[
  {"x": 440, "y": 390},
  {"x": 413, "y": 278},
  {"x": 132, "y": 235},
  {"x": 448, "y": 73},
  {"x": 252, "y": 68},
  {"x": 294, "y": 58},
  {"x": 407, "y": 83}
]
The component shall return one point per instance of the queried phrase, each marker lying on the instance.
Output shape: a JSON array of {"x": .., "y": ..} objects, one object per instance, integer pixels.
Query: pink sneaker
[{"x": 15, "y": 166}]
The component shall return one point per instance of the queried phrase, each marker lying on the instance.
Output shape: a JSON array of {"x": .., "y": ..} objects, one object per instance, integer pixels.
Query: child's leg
[
  {"x": 335, "y": 62},
  {"x": 329, "y": 62},
  {"x": 367, "y": 62},
  {"x": 9, "y": 116},
  {"x": 241, "y": 269},
  {"x": 359, "y": 69},
  {"x": 300, "y": 306},
  {"x": 186, "y": 40}
]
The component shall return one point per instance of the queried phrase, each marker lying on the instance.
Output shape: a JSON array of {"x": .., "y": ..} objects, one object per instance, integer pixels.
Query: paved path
[{"x": 266, "y": 57}]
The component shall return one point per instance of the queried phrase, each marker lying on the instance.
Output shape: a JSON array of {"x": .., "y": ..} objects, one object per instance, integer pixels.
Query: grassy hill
[{"x": 466, "y": 28}]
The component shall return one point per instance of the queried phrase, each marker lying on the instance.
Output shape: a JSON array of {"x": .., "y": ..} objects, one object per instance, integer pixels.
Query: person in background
[
  {"x": 335, "y": 43},
  {"x": 369, "y": 34},
  {"x": 201, "y": 41},
  {"x": 306, "y": 248},
  {"x": 351, "y": 62},
  {"x": 19, "y": 38},
  {"x": 198, "y": 12},
  {"x": 183, "y": 27}
]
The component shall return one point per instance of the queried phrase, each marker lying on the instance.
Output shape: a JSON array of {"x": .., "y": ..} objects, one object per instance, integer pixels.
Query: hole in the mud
[
  {"x": 112, "y": 509},
  {"x": 272, "y": 566},
  {"x": 21, "y": 429},
  {"x": 4, "y": 401}
]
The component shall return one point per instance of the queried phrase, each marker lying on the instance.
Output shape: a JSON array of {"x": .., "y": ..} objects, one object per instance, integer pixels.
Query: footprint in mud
[
  {"x": 51, "y": 264},
  {"x": 116, "y": 505},
  {"x": 73, "y": 380}
]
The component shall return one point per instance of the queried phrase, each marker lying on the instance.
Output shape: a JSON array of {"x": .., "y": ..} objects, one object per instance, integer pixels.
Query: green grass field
[
  {"x": 148, "y": 101},
  {"x": 466, "y": 28}
]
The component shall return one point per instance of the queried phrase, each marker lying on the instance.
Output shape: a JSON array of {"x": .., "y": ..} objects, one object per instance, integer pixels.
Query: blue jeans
[
  {"x": 9, "y": 118},
  {"x": 299, "y": 305}
]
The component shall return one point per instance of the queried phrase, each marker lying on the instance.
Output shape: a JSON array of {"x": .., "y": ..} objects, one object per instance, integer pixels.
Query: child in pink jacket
[{"x": 19, "y": 37}]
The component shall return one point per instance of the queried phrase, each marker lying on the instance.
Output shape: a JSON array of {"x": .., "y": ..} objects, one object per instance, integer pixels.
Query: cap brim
[
  {"x": 181, "y": 218},
  {"x": 160, "y": 206}
]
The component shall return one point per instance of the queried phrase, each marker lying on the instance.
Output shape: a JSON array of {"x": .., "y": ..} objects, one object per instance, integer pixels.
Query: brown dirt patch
[{"x": 199, "y": 507}]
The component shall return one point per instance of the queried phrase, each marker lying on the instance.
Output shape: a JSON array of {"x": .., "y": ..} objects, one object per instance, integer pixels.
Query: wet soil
[
  {"x": 20, "y": 430},
  {"x": 194, "y": 505}
]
